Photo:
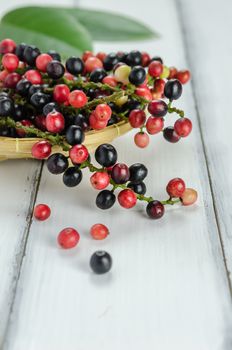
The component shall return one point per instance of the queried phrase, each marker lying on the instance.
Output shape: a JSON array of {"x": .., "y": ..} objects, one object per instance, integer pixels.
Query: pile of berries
[{"x": 42, "y": 97}]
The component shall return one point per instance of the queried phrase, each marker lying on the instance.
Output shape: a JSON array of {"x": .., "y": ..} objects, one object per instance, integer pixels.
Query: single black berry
[
  {"x": 170, "y": 135},
  {"x": 139, "y": 188},
  {"x": 57, "y": 163},
  {"x": 134, "y": 58},
  {"x": 138, "y": 172},
  {"x": 55, "y": 55},
  {"x": 20, "y": 50},
  {"x": 130, "y": 105},
  {"x": 110, "y": 61},
  {"x": 173, "y": 89},
  {"x": 30, "y": 54},
  {"x": 98, "y": 75},
  {"x": 23, "y": 87},
  {"x": 74, "y": 65},
  {"x": 106, "y": 155},
  {"x": 137, "y": 75},
  {"x": 155, "y": 209},
  {"x": 51, "y": 106},
  {"x": 33, "y": 89},
  {"x": 39, "y": 100},
  {"x": 72, "y": 177},
  {"x": 20, "y": 112},
  {"x": 100, "y": 262},
  {"x": 6, "y": 107},
  {"x": 74, "y": 135},
  {"x": 113, "y": 120},
  {"x": 55, "y": 69},
  {"x": 105, "y": 199},
  {"x": 157, "y": 58},
  {"x": 81, "y": 121}
]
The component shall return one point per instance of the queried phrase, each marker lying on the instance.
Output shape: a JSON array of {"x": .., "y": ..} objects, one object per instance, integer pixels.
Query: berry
[
  {"x": 78, "y": 154},
  {"x": 155, "y": 209},
  {"x": 10, "y": 62},
  {"x": 77, "y": 99},
  {"x": 146, "y": 59},
  {"x": 74, "y": 135},
  {"x": 106, "y": 155},
  {"x": 23, "y": 87},
  {"x": 99, "y": 231},
  {"x": 81, "y": 121},
  {"x": 157, "y": 58},
  {"x": 42, "y": 61},
  {"x": 173, "y": 89},
  {"x": 55, "y": 122},
  {"x": 50, "y": 107},
  {"x": 42, "y": 212},
  {"x": 34, "y": 88},
  {"x": 97, "y": 75},
  {"x": 55, "y": 69},
  {"x": 139, "y": 188},
  {"x": 183, "y": 127},
  {"x": 55, "y": 55},
  {"x": 40, "y": 122},
  {"x": 155, "y": 69},
  {"x": 100, "y": 180},
  {"x": 72, "y": 177},
  {"x": 7, "y": 46},
  {"x": 183, "y": 76},
  {"x": 102, "y": 112},
  {"x": 134, "y": 58},
  {"x": 109, "y": 80},
  {"x": 127, "y": 198},
  {"x": 75, "y": 65},
  {"x": 137, "y": 118},
  {"x": 33, "y": 76},
  {"x": 175, "y": 187},
  {"x": 137, "y": 75},
  {"x": 86, "y": 55},
  {"x": 12, "y": 80},
  {"x": 101, "y": 55},
  {"x": 101, "y": 262},
  {"x": 105, "y": 199},
  {"x": 20, "y": 50},
  {"x": 68, "y": 76},
  {"x": 39, "y": 100},
  {"x": 159, "y": 85},
  {"x": 3, "y": 75},
  {"x": 138, "y": 172},
  {"x": 172, "y": 72},
  {"x": 95, "y": 123},
  {"x": 61, "y": 93},
  {"x": 68, "y": 238},
  {"x": 41, "y": 149},
  {"x": 189, "y": 196},
  {"x": 165, "y": 73},
  {"x": 170, "y": 135},
  {"x": 20, "y": 132},
  {"x": 113, "y": 120},
  {"x": 6, "y": 107},
  {"x": 144, "y": 92},
  {"x": 122, "y": 73},
  {"x": 154, "y": 125},
  {"x": 92, "y": 63},
  {"x": 30, "y": 54},
  {"x": 110, "y": 61},
  {"x": 141, "y": 139},
  {"x": 158, "y": 108},
  {"x": 120, "y": 173},
  {"x": 19, "y": 112},
  {"x": 57, "y": 163}
]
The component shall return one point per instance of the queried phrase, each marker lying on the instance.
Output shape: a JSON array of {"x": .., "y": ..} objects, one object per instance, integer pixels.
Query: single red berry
[
  {"x": 42, "y": 61},
  {"x": 68, "y": 238},
  {"x": 55, "y": 122},
  {"x": 68, "y": 76},
  {"x": 102, "y": 112},
  {"x": 101, "y": 56},
  {"x": 141, "y": 139},
  {"x": 146, "y": 59},
  {"x": 40, "y": 122},
  {"x": 155, "y": 209},
  {"x": 120, "y": 173},
  {"x": 25, "y": 122},
  {"x": 183, "y": 76},
  {"x": 175, "y": 187},
  {"x": 183, "y": 127},
  {"x": 61, "y": 93},
  {"x": 95, "y": 123},
  {"x": 99, "y": 231},
  {"x": 158, "y": 108},
  {"x": 34, "y": 76},
  {"x": 77, "y": 99},
  {"x": 42, "y": 212},
  {"x": 3, "y": 75},
  {"x": 172, "y": 72},
  {"x": 7, "y": 46},
  {"x": 93, "y": 63},
  {"x": 78, "y": 154},
  {"x": 144, "y": 92},
  {"x": 12, "y": 80},
  {"x": 86, "y": 55},
  {"x": 10, "y": 62},
  {"x": 137, "y": 118},
  {"x": 159, "y": 85},
  {"x": 155, "y": 69},
  {"x": 154, "y": 125},
  {"x": 127, "y": 198},
  {"x": 110, "y": 80},
  {"x": 189, "y": 196},
  {"x": 41, "y": 149},
  {"x": 100, "y": 180}
]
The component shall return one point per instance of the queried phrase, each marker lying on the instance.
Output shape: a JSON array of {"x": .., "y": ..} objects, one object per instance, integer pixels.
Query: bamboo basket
[{"x": 19, "y": 148}]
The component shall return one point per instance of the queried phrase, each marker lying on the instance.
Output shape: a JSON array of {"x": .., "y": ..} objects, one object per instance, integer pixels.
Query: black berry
[
  {"x": 49, "y": 107},
  {"x": 137, "y": 75},
  {"x": 110, "y": 61},
  {"x": 157, "y": 58},
  {"x": 57, "y": 163},
  {"x": 98, "y": 75},
  {"x": 39, "y": 100},
  {"x": 106, "y": 155},
  {"x": 74, "y": 65},
  {"x": 72, "y": 177},
  {"x": 19, "y": 112},
  {"x": 55, "y": 55},
  {"x": 19, "y": 51},
  {"x": 55, "y": 69},
  {"x": 6, "y": 107},
  {"x": 105, "y": 199},
  {"x": 74, "y": 135},
  {"x": 30, "y": 54},
  {"x": 173, "y": 89},
  {"x": 155, "y": 209},
  {"x": 134, "y": 58},
  {"x": 170, "y": 135},
  {"x": 33, "y": 89},
  {"x": 120, "y": 173},
  {"x": 138, "y": 172},
  {"x": 100, "y": 262},
  {"x": 139, "y": 188},
  {"x": 23, "y": 87},
  {"x": 81, "y": 121}
]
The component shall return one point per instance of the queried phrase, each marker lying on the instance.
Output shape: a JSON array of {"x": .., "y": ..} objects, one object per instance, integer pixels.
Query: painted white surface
[{"x": 168, "y": 287}]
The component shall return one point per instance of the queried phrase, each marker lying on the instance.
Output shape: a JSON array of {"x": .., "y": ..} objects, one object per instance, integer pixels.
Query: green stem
[{"x": 180, "y": 112}]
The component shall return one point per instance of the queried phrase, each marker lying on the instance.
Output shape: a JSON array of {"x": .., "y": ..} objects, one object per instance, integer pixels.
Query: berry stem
[{"x": 171, "y": 109}]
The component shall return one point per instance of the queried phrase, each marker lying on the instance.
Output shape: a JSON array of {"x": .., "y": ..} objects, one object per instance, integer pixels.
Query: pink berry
[
  {"x": 137, "y": 118},
  {"x": 141, "y": 139},
  {"x": 154, "y": 125},
  {"x": 41, "y": 149},
  {"x": 172, "y": 72},
  {"x": 55, "y": 122},
  {"x": 12, "y": 80},
  {"x": 100, "y": 180},
  {"x": 144, "y": 92},
  {"x": 183, "y": 127},
  {"x": 95, "y": 123},
  {"x": 10, "y": 62},
  {"x": 7, "y": 46},
  {"x": 61, "y": 93},
  {"x": 99, "y": 231},
  {"x": 86, "y": 55},
  {"x": 159, "y": 85},
  {"x": 78, "y": 154},
  {"x": 189, "y": 196},
  {"x": 127, "y": 198},
  {"x": 68, "y": 238},
  {"x": 102, "y": 112},
  {"x": 183, "y": 76},
  {"x": 175, "y": 187},
  {"x": 42, "y": 212},
  {"x": 77, "y": 99},
  {"x": 93, "y": 63},
  {"x": 110, "y": 80},
  {"x": 33, "y": 76},
  {"x": 42, "y": 61}
]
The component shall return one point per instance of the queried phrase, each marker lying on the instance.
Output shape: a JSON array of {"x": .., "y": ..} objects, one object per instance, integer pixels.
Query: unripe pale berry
[
  {"x": 189, "y": 196},
  {"x": 141, "y": 139},
  {"x": 121, "y": 74}
]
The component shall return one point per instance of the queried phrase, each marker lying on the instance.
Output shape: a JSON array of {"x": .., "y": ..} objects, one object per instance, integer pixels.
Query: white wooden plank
[
  {"x": 168, "y": 286},
  {"x": 210, "y": 60}
]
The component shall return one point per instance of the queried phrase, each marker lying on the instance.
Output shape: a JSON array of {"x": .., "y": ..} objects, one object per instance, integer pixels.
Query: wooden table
[{"x": 170, "y": 286}]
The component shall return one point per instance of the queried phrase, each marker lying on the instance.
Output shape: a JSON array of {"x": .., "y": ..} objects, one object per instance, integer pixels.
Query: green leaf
[{"x": 47, "y": 28}]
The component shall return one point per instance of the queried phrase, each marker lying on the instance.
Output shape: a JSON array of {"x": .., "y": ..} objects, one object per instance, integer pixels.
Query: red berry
[
  {"x": 20, "y": 132},
  {"x": 3, "y": 75},
  {"x": 154, "y": 125},
  {"x": 40, "y": 122},
  {"x": 183, "y": 127},
  {"x": 68, "y": 76},
  {"x": 68, "y": 238},
  {"x": 10, "y": 62},
  {"x": 99, "y": 231},
  {"x": 137, "y": 118},
  {"x": 159, "y": 85},
  {"x": 158, "y": 108},
  {"x": 102, "y": 112},
  {"x": 183, "y": 76},
  {"x": 55, "y": 122},
  {"x": 170, "y": 134},
  {"x": 141, "y": 139},
  {"x": 78, "y": 154},
  {"x": 175, "y": 187},
  {"x": 155, "y": 69},
  {"x": 86, "y": 55},
  {"x": 189, "y": 196},
  {"x": 77, "y": 99},
  {"x": 12, "y": 80},
  {"x": 101, "y": 56},
  {"x": 42, "y": 212},
  {"x": 144, "y": 92},
  {"x": 95, "y": 123},
  {"x": 41, "y": 149},
  {"x": 33, "y": 76},
  {"x": 61, "y": 93},
  {"x": 42, "y": 61},
  {"x": 155, "y": 209},
  {"x": 7, "y": 46},
  {"x": 93, "y": 63},
  {"x": 100, "y": 180},
  {"x": 146, "y": 58},
  {"x": 110, "y": 80},
  {"x": 120, "y": 173},
  {"x": 172, "y": 72},
  {"x": 127, "y": 199}
]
